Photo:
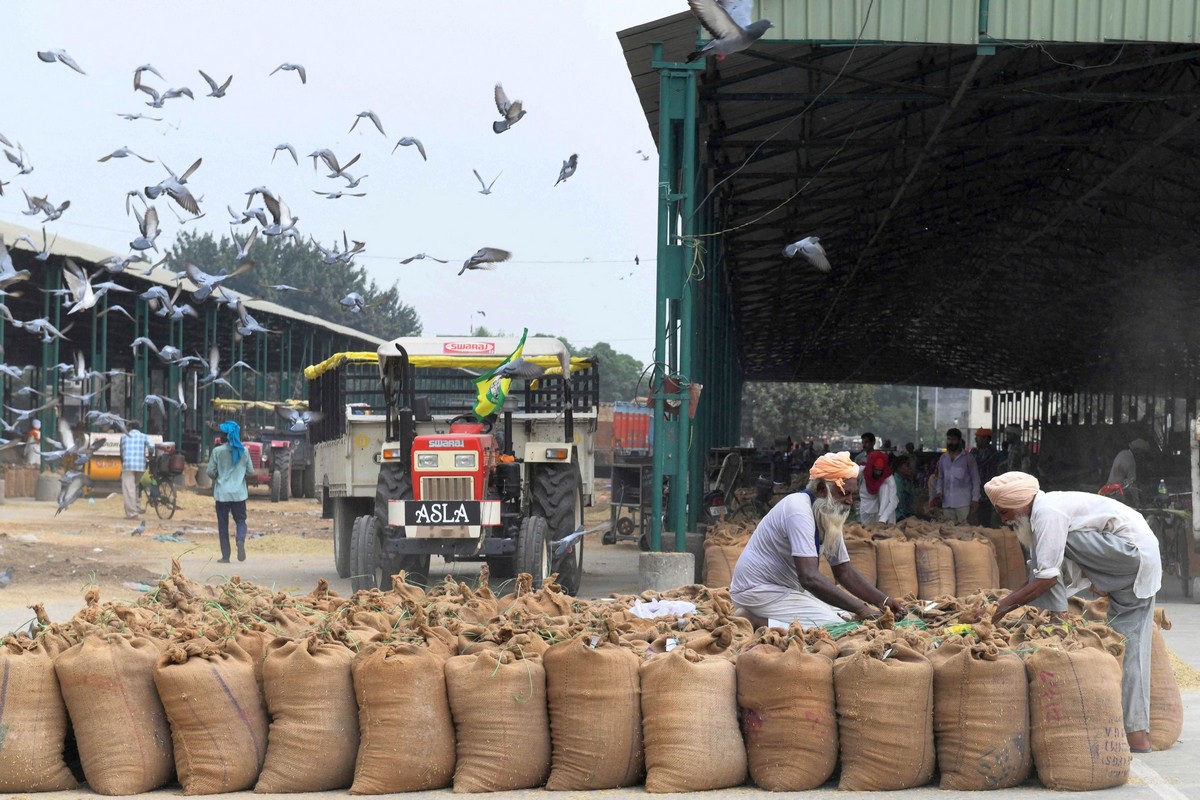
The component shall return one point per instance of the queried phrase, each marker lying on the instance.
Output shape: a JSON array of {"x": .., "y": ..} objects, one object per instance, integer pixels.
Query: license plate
[
  {"x": 717, "y": 511},
  {"x": 442, "y": 512}
]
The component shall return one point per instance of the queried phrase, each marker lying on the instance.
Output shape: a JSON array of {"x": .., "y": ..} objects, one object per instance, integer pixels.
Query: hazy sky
[{"x": 427, "y": 70}]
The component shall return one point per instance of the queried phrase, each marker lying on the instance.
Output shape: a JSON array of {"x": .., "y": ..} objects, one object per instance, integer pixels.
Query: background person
[
  {"x": 1124, "y": 470},
  {"x": 227, "y": 466},
  {"x": 1092, "y": 539},
  {"x": 777, "y": 579},
  {"x": 987, "y": 462},
  {"x": 135, "y": 449},
  {"x": 956, "y": 486},
  {"x": 877, "y": 497}
]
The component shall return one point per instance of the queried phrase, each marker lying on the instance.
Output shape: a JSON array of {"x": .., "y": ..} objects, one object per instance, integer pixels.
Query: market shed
[
  {"x": 104, "y": 337},
  {"x": 1005, "y": 190}
]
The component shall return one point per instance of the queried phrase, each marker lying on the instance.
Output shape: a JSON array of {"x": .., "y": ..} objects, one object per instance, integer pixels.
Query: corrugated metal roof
[
  {"x": 1175, "y": 21},
  {"x": 1020, "y": 220},
  {"x": 82, "y": 251},
  {"x": 923, "y": 21}
]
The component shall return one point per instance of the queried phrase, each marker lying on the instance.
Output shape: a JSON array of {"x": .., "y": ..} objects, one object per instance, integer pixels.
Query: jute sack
[
  {"x": 1076, "y": 728},
  {"x": 935, "y": 569},
  {"x": 594, "y": 696},
  {"x": 863, "y": 557},
  {"x": 407, "y": 733},
  {"x": 788, "y": 720},
  {"x": 885, "y": 718},
  {"x": 1166, "y": 704},
  {"x": 719, "y": 561},
  {"x": 1010, "y": 559},
  {"x": 690, "y": 723},
  {"x": 121, "y": 729},
  {"x": 218, "y": 723},
  {"x": 313, "y": 737},
  {"x": 501, "y": 725},
  {"x": 980, "y": 717},
  {"x": 33, "y": 718},
  {"x": 896, "y": 567},
  {"x": 974, "y": 566}
]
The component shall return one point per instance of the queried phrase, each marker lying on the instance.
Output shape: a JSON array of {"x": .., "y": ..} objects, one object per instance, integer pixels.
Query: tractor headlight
[
  {"x": 464, "y": 461},
  {"x": 427, "y": 461}
]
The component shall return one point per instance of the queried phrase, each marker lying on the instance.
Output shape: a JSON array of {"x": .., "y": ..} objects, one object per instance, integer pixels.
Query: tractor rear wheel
[
  {"x": 308, "y": 484},
  {"x": 277, "y": 480},
  {"x": 283, "y": 465},
  {"x": 343, "y": 528},
  {"x": 557, "y": 495},
  {"x": 395, "y": 483},
  {"x": 533, "y": 550},
  {"x": 297, "y": 483}
]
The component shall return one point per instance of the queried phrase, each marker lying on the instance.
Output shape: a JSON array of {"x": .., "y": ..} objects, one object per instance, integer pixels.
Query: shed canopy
[{"x": 1016, "y": 219}]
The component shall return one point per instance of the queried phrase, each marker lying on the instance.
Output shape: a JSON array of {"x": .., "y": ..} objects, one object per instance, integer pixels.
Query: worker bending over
[
  {"x": 1074, "y": 538},
  {"x": 777, "y": 580}
]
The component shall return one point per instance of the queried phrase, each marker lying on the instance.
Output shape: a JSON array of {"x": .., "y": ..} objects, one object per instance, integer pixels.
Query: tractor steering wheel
[{"x": 470, "y": 418}]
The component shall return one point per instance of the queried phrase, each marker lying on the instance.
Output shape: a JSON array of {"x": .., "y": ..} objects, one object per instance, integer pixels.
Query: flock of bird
[{"x": 727, "y": 20}]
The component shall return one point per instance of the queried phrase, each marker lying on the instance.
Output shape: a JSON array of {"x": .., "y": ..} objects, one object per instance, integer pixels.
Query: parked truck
[{"x": 407, "y": 471}]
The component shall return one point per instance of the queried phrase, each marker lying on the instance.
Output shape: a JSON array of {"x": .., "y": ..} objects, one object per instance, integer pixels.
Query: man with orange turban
[
  {"x": 777, "y": 581},
  {"x": 1104, "y": 542}
]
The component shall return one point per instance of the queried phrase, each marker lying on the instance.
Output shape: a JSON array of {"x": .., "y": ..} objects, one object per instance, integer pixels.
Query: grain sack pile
[{"x": 233, "y": 686}]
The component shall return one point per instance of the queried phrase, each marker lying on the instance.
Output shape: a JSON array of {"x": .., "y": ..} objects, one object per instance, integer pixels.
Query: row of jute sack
[
  {"x": 917, "y": 558},
  {"x": 598, "y": 697}
]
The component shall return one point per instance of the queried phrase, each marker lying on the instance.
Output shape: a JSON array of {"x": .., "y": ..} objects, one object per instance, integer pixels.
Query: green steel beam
[{"x": 52, "y": 311}]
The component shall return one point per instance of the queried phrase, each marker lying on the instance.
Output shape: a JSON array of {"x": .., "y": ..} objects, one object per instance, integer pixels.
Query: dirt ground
[{"x": 55, "y": 559}]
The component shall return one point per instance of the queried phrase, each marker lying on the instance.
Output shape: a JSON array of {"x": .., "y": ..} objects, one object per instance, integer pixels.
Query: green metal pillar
[
  {"x": 52, "y": 311},
  {"x": 141, "y": 367},
  {"x": 675, "y": 305},
  {"x": 173, "y": 432}
]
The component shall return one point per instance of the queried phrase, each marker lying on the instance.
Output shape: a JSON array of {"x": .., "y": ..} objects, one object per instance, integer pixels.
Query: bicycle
[{"x": 159, "y": 489}]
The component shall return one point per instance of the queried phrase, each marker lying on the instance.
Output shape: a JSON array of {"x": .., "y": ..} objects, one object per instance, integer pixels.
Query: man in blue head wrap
[{"x": 228, "y": 465}]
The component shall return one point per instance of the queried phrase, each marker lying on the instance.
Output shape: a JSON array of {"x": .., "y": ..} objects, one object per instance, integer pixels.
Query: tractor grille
[{"x": 448, "y": 488}]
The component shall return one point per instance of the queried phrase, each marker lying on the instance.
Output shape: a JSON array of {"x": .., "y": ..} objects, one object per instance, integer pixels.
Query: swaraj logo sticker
[
  {"x": 473, "y": 348},
  {"x": 447, "y": 443}
]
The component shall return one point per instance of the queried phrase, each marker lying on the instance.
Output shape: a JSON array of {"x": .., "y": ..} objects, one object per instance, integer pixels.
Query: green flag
[{"x": 490, "y": 391}]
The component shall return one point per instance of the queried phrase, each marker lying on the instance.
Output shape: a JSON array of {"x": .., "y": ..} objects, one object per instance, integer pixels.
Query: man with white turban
[
  {"x": 1090, "y": 539},
  {"x": 777, "y": 580}
]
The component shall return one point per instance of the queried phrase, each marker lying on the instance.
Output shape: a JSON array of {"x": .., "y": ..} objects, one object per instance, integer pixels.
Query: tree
[
  {"x": 773, "y": 411},
  {"x": 620, "y": 373},
  {"x": 300, "y": 265}
]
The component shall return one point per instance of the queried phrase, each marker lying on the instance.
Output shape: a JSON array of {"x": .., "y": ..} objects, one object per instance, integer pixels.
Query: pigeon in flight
[
  {"x": 289, "y": 148},
  {"x": 175, "y": 188},
  {"x": 243, "y": 247},
  {"x": 511, "y": 110},
  {"x": 9, "y": 274},
  {"x": 132, "y": 117},
  {"x": 20, "y": 160},
  {"x": 282, "y": 216},
  {"x": 408, "y": 140},
  {"x": 83, "y": 294},
  {"x": 284, "y": 287},
  {"x": 486, "y": 187},
  {"x": 217, "y": 91},
  {"x": 137, "y": 74},
  {"x": 420, "y": 256},
  {"x": 809, "y": 248},
  {"x": 54, "y": 212},
  {"x": 356, "y": 303},
  {"x": 72, "y": 484},
  {"x": 297, "y": 68},
  {"x": 326, "y": 155},
  {"x": 729, "y": 23},
  {"x": 485, "y": 258},
  {"x": 148, "y": 225},
  {"x": 123, "y": 152},
  {"x": 50, "y": 56},
  {"x": 368, "y": 114},
  {"x": 643, "y": 155},
  {"x": 568, "y": 168},
  {"x": 336, "y": 195},
  {"x": 297, "y": 421}
]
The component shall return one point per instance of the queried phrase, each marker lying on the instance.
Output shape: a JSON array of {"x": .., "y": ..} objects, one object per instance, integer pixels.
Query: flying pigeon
[
  {"x": 289, "y": 148},
  {"x": 298, "y": 421},
  {"x": 298, "y": 68},
  {"x": 568, "y": 168},
  {"x": 420, "y": 256},
  {"x": 217, "y": 91},
  {"x": 50, "y": 56},
  {"x": 486, "y": 187},
  {"x": 485, "y": 258},
  {"x": 809, "y": 248},
  {"x": 368, "y": 114},
  {"x": 511, "y": 110},
  {"x": 729, "y": 23},
  {"x": 123, "y": 152},
  {"x": 408, "y": 140},
  {"x": 148, "y": 225}
]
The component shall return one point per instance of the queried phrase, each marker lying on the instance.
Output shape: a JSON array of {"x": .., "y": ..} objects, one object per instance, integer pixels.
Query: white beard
[
  {"x": 831, "y": 522},
  {"x": 1024, "y": 530}
]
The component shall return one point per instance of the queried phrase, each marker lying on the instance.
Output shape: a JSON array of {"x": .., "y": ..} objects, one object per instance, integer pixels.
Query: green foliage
[
  {"x": 773, "y": 411},
  {"x": 300, "y": 265},
  {"x": 619, "y": 373}
]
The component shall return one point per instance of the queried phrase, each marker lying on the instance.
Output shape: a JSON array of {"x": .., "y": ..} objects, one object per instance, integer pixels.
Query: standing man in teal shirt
[{"x": 227, "y": 466}]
